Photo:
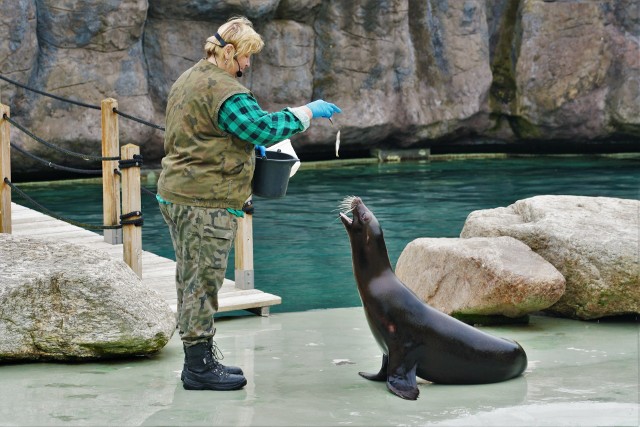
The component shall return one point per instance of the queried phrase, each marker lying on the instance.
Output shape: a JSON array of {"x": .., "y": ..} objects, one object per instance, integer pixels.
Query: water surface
[{"x": 301, "y": 251}]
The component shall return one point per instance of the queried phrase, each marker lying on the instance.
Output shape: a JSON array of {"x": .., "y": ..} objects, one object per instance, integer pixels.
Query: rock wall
[{"x": 407, "y": 73}]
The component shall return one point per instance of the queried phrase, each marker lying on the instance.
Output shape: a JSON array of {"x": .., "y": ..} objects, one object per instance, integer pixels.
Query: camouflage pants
[{"x": 202, "y": 239}]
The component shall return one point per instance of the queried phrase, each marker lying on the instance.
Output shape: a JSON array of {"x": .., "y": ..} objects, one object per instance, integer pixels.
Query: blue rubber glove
[
  {"x": 320, "y": 108},
  {"x": 261, "y": 151}
]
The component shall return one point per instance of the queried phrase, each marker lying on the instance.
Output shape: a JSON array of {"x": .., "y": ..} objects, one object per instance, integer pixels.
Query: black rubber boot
[
  {"x": 204, "y": 372},
  {"x": 215, "y": 351}
]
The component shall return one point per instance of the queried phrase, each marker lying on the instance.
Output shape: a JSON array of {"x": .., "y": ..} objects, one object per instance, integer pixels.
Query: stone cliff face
[{"x": 407, "y": 73}]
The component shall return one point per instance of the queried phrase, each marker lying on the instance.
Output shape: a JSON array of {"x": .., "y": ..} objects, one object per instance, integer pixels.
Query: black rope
[
  {"x": 138, "y": 222},
  {"x": 82, "y": 104},
  {"x": 144, "y": 122},
  {"x": 147, "y": 191},
  {"x": 59, "y": 98},
  {"x": 248, "y": 207},
  {"x": 129, "y": 163},
  {"x": 56, "y": 216},
  {"x": 55, "y": 147},
  {"x": 55, "y": 166}
]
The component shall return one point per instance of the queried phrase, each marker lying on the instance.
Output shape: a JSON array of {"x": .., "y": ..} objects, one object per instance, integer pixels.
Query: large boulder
[
  {"x": 479, "y": 276},
  {"x": 61, "y": 302},
  {"x": 592, "y": 241}
]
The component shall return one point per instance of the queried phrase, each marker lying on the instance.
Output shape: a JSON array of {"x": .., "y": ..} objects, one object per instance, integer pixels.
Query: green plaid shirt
[{"x": 241, "y": 116}]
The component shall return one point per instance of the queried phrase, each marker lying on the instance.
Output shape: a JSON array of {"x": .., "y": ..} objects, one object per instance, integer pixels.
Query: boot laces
[
  {"x": 216, "y": 352},
  {"x": 216, "y": 356},
  {"x": 212, "y": 358},
  {"x": 211, "y": 361}
]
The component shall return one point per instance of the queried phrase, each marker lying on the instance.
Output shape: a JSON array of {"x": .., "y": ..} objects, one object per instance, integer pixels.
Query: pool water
[{"x": 301, "y": 251}]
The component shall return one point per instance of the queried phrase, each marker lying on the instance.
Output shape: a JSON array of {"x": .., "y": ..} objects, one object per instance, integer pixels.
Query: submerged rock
[
  {"x": 59, "y": 301},
  {"x": 479, "y": 276},
  {"x": 592, "y": 241}
]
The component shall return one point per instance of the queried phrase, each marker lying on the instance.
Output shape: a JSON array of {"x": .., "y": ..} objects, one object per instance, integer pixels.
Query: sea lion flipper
[
  {"x": 380, "y": 376},
  {"x": 402, "y": 379}
]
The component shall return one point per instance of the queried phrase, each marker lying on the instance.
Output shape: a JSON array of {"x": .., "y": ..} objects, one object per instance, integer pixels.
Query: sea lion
[{"x": 416, "y": 339}]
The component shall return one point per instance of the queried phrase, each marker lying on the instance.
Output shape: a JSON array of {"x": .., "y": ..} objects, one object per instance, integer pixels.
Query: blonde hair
[{"x": 237, "y": 31}]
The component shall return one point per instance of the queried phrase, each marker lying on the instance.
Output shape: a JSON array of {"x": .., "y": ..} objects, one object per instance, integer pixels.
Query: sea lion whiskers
[{"x": 347, "y": 204}]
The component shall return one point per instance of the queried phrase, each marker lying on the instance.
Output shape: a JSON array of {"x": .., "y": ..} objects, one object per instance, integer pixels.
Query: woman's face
[{"x": 244, "y": 62}]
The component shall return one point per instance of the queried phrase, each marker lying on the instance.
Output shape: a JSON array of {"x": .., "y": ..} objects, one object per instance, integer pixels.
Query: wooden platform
[{"x": 157, "y": 272}]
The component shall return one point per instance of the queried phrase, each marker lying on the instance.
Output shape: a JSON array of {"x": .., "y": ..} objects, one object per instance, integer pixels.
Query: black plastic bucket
[{"x": 271, "y": 177}]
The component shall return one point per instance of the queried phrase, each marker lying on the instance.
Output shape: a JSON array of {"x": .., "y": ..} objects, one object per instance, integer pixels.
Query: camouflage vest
[{"x": 203, "y": 166}]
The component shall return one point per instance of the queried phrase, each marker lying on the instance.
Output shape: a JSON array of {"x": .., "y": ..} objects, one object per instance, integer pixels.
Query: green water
[{"x": 301, "y": 251}]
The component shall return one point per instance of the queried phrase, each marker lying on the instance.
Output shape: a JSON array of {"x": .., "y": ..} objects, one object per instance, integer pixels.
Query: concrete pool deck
[{"x": 302, "y": 370}]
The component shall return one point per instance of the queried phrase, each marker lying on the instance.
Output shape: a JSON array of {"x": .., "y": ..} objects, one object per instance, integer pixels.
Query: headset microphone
[{"x": 238, "y": 73}]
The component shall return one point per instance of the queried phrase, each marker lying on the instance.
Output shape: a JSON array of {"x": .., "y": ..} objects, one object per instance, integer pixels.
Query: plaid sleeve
[{"x": 241, "y": 116}]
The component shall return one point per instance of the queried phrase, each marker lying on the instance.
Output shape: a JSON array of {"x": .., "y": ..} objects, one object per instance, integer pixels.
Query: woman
[{"x": 213, "y": 126}]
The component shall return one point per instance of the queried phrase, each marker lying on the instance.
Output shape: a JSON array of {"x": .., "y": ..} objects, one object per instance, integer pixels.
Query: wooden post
[
  {"x": 5, "y": 171},
  {"x": 131, "y": 235},
  {"x": 110, "y": 179},
  {"x": 244, "y": 253}
]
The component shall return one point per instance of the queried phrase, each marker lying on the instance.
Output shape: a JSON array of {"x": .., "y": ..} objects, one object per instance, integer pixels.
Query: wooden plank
[
  {"x": 28, "y": 214},
  {"x": 160, "y": 272},
  {"x": 149, "y": 259},
  {"x": 5, "y": 171},
  {"x": 131, "y": 205},
  {"x": 244, "y": 253},
  {"x": 110, "y": 179},
  {"x": 247, "y": 302},
  {"x": 55, "y": 233},
  {"x": 47, "y": 227},
  {"x": 29, "y": 219}
]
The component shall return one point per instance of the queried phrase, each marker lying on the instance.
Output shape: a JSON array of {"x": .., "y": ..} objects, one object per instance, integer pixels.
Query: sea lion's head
[
  {"x": 363, "y": 223},
  {"x": 368, "y": 250}
]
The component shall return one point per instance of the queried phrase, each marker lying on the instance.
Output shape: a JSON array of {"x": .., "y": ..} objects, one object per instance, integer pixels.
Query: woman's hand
[{"x": 320, "y": 108}]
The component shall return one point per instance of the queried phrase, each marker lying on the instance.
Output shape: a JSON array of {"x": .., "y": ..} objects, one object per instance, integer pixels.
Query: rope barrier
[
  {"x": 82, "y": 104},
  {"x": 149, "y": 192},
  {"x": 56, "y": 216},
  {"x": 55, "y": 147},
  {"x": 56, "y": 166},
  {"x": 144, "y": 189},
  {"x": 59, "y": 98},
  {"x": 123, "y": 164},
  {"x": 130, "y": 163},
  {"x": 144, "y": 122}
]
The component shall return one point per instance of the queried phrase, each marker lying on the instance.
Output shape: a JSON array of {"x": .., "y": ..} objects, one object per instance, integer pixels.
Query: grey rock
[
  {"x": 479, "y": 276},
  {"x": 18, "y": 45},
  {"x": 198, "y": 10},
  {"x": 592, "y": 241},
  {"x": 407, "y": 74},
  {"x": 94, "y": 25},
  {"x": 59, "y": 301}
]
